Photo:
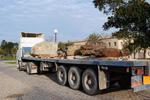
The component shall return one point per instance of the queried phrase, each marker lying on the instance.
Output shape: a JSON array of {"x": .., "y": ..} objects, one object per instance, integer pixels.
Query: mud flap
[
  {"x": 34, "y": 68},
  {"x": 103, "y": 76},
  {"x": 147, "y": 68}
]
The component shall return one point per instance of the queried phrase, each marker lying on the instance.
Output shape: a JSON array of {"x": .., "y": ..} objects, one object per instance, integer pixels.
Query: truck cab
[{"x": 27, "y": 40}]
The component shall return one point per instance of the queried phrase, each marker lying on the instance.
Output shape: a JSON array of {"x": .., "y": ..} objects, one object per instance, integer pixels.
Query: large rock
[
  {"x": 45, "y": 48},
  {"x": 92, "y": 49},
  {"x": 102, "y": 51},
  {"x": 73, "y": 50}
]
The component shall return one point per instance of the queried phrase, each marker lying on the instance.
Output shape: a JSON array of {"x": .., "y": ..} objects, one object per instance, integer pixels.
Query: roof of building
[{"x": 84, "y": 40}]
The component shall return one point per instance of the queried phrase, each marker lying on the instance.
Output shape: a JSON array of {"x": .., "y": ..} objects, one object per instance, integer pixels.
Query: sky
[{"x": 74, "y": 19}]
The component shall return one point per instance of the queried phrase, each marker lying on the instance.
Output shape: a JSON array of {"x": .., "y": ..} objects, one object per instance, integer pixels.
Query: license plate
[
  {"x": 33, "y": 70},
  {"x": 136, "y": 80},
  {"x": 146, "y": 80}
]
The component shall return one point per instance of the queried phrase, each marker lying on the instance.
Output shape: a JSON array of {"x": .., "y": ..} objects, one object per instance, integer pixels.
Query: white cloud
[{"x": 69, "y": 16}]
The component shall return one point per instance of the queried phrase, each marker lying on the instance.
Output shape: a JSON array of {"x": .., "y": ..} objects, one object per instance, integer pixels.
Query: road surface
[{"x": 17, "y": 85}]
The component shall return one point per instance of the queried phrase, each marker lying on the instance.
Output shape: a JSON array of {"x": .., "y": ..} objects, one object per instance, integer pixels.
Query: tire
[
  {"x": 28, "y": 71},
  {"x": 125, "y": 81},
  {"x": 40, "y": 68},
  {"x": 20, "y": 66},
  {"x": 89, "y": 82},
  {"x": 62, "y": 75},
  {"x": 74, "y": 78}
]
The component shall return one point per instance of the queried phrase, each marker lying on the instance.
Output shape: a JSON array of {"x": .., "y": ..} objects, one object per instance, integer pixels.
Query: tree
[
  {"x": 131, "y": 17},
  {"x": 69, "y": 43},
  {"x": 2, "y": 51},
  {"x": 130, "y": 46},
  {"x": 13, "y": 51},
  {"x": 61, "y": 46},
  {"x": 3, "y": 44},
  {"x": 94, "y": 39},
  {"x": 9, "y": 46}
]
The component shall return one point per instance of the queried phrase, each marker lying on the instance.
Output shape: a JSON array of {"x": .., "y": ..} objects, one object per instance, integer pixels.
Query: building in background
[{"x": 109, "y": 41}]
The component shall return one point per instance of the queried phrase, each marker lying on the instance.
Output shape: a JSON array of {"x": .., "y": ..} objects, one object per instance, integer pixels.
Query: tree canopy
[
  {"x": 131, "y": 17},
  {"x": 62, "y": 46},
  {"x": 8, "y": 47}
]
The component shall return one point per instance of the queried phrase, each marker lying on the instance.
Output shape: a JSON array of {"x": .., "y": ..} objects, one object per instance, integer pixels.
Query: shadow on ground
[{"x": 53, "y": 77}]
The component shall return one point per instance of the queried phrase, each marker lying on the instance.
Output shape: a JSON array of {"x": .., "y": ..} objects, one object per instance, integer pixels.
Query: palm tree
[
  {"x": 94, "y": 39},
  {"x": 61, "y": 46}
]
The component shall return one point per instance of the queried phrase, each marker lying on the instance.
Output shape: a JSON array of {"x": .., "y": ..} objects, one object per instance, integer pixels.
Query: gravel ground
[{"x": 17, "y": 85}]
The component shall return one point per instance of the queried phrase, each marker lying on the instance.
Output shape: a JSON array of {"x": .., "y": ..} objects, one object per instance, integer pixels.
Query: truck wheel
[
  {"x": 28, "y": 69},
  {"x": 89, "y": 82},
  {"x": 62, "y": 75},
  {"x": 20, "y": 66},
  {"x": 74, "y": 78},
  {"x": 125, "y": 81}
]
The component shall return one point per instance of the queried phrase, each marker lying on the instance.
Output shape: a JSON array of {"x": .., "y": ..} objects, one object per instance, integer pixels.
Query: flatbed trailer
[{"x": 92, "y": 74}]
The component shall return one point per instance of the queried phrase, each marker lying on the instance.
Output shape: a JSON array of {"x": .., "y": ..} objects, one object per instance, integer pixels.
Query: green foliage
[
  {"x": 2, "y": 51},
  {"x": 11, "y": 62},
  {"x": 8, "y": 47},
  {"x": 131, "y": 17},
  {"x": 13, "y": 51},
  {"x": 7, "y": 58},
  {"x": 129, "y": 45},
  {"x": 3, "y": 44},
  {"x": 110, "y": 6},
  {"x": 94, "y": 39},
  {"x": 69, "y": 43},
  {"x": 62, "y": 46}
]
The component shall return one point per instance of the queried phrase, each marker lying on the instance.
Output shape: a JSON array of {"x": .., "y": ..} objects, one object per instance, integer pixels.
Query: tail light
[{"x": 140, "y": 71}]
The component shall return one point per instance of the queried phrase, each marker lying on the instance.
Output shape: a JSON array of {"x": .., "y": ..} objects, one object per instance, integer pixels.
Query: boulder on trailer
[{"x": 45, "y": 50}]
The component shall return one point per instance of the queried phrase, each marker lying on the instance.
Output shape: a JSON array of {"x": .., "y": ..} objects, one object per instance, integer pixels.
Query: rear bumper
[
  {"x": 140, "y": 88},
  {"x": 140, "y": 82}
]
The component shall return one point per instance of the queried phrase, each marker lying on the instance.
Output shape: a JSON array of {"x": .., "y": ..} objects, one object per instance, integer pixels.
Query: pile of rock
[{"x": 50, "y": 50}]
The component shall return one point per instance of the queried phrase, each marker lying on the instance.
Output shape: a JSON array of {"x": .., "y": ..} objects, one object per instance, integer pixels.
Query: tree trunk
[
  {"x": 144, "y": 53},
  {"x": 134, "y": 54}
]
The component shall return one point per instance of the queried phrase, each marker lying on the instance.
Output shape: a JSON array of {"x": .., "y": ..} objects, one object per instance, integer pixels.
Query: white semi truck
[
  {"x": 27, "y": 40},
  {"x": 91, "y": 74}
]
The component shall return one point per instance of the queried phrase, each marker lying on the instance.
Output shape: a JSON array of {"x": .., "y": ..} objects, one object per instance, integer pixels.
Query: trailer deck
[
  {"x": 120, "y": 63},
  {"x": 125, "y": 63}
]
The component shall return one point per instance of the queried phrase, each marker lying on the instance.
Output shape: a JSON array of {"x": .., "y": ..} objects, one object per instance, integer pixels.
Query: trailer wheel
[
  {"x": 89, "y": 82},
  {"x": 28, "y": 71},
  {"x": 74, "y": 78},
  {"x": 20, "y": 66},
  {"x": 62, "y": 75},
  {"x": 125, "y": 81}
]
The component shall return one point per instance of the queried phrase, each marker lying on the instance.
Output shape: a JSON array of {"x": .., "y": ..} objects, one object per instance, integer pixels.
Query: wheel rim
[
  {"x": 19, "y": 66},
  {"x": 73, "y": 78},
  {"x": 61, "y": 75},
  {"x": 27, "y": 70},
  {"x": 88, "y": 82}
]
